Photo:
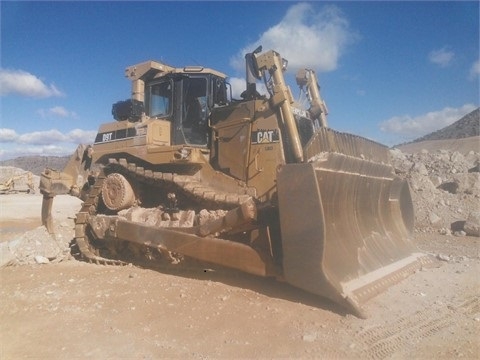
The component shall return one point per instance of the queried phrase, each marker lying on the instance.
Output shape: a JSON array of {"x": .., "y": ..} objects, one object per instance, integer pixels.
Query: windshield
[
  {"x": 305, "y": 128},
  {"x": 160, "y": 99}
]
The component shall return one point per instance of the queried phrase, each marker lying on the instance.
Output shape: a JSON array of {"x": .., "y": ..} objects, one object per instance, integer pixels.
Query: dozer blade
[{"x": 346, "y": 224}]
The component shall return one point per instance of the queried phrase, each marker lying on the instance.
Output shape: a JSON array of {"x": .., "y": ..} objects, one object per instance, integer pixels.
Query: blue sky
[{"x": 389, "y": 71}]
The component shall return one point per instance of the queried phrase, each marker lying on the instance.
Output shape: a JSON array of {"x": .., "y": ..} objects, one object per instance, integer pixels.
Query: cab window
[
  {"x": 160, "y": 99},
  {"x": 194, "y": 120}
]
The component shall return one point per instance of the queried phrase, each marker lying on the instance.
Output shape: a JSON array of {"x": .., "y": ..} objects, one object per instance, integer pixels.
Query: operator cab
[{"x": 185, "y": 100}]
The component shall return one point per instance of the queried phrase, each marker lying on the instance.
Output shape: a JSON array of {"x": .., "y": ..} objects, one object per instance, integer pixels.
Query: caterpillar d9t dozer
[{"x": 259, "y": 184}]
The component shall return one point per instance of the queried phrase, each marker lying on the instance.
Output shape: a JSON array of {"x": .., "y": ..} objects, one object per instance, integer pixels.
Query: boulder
[{"x": 472, "y": 225}]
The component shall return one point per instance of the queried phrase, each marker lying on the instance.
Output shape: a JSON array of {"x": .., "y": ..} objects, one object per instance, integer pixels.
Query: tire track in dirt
[{"x": 382, "y": 341}]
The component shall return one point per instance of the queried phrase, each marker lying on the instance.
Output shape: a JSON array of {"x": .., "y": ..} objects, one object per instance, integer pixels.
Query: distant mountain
[
  {"x": 467, "y": 126},
  {"x": 36, "y": 164},
  {"x": 462, "y": 136}
]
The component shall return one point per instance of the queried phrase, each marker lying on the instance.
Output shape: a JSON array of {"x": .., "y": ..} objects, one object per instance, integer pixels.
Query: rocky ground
[
  {"x": 445, "y": 189},
  {"x": 53, "y": 306}
]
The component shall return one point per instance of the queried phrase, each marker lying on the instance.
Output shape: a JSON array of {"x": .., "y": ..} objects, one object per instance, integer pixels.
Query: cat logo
[{"x": 265, "y": 136}]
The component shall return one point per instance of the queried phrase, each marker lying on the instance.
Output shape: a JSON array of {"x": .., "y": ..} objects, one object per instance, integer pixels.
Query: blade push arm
[
  {"x": 281, "y": 96},
  {"x": 318, "y": 108}
]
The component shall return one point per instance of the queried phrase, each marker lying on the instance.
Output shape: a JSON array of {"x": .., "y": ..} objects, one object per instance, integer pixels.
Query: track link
[
  {"x": 89, "y": 207},
  {"x": 190, "y": 187}
]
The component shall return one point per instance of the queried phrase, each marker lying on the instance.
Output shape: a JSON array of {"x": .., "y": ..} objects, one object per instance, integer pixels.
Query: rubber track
[{"x": 192, "y": 188}]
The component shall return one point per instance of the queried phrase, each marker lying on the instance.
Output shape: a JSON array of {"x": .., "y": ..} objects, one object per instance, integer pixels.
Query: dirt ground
[{"x": 72, "y": 309}]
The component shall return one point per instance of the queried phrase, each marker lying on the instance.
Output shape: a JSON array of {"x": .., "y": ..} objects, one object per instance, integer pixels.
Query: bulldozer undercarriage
[{"x": 222, "y": 229}]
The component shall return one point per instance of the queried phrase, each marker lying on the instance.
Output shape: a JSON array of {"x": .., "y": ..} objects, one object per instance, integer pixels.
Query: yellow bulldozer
[
  {"x": 260, "y": 184},
  {"x": 9, "y": 187}
]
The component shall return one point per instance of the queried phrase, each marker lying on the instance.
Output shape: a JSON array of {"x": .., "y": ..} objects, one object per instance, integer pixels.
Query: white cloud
[
  {"x": 441, "y": 57},
  {"x": 475, "y": 70},
  {"x": 58, "y": 111},
  {"x": 79, "y": 136},
  {"x": 8, "y": 135},
  {"x": 47, "y": 137},
  {"x": 239, "y": 85},
  {"x": 306, "y": 38},
  {"x": 42, "y": 137},
  {"x": 416, "y": 126},
  {"x": 49, "y": 142},
  {"x": 23, "y": 83}
]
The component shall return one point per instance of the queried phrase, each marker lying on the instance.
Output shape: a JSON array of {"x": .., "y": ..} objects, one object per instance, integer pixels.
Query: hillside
[
  {"x": 36, "y": 164},
  {"x": 468, "y": 126},
  {"x": 462, "y": 136}
]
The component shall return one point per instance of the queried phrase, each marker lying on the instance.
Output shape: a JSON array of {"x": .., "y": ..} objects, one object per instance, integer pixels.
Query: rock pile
[
  {"x": 37, "y": 246},
  {"x": 445, "y": 188}
]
